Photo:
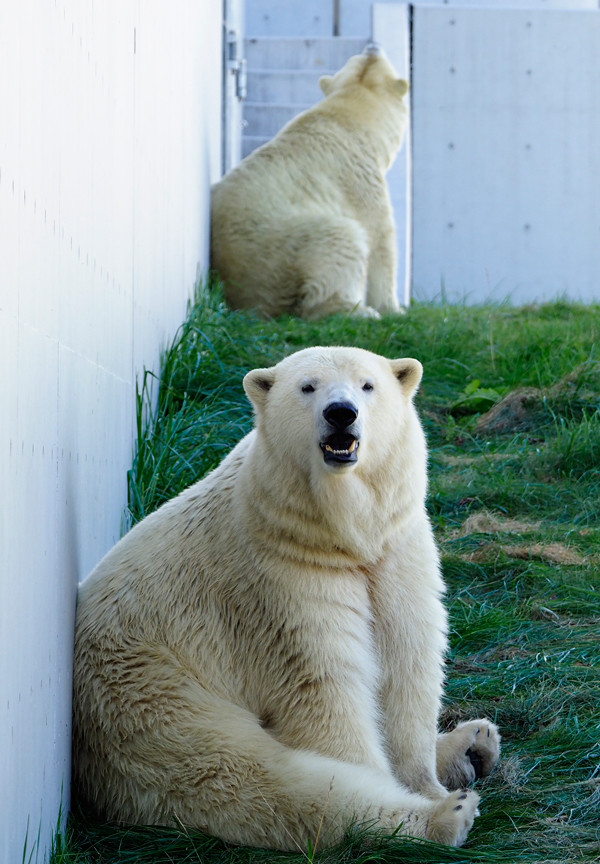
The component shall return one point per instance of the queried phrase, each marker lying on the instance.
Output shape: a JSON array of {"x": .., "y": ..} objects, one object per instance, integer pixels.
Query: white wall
[
  {"x": 110, "y": 136},
  {"x": 506, "y": 154}
]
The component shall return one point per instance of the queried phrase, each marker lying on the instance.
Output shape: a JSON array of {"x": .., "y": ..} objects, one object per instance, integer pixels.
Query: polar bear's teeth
[
  {"x": 345, "y": 452},
  {"x": 335, "y": 452}
]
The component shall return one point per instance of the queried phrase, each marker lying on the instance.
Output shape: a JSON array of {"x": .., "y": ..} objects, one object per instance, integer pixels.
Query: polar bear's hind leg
[
  {"x": 332, "y": 269},
  {"x": 210, "y": 765}
]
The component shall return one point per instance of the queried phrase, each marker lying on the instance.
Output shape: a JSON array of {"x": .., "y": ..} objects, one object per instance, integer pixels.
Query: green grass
[{"x": 516, "y": 511}]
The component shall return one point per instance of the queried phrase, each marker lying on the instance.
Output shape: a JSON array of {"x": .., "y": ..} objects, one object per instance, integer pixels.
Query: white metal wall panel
[
  {"x": 506, "y": 114},
  {"x": 110, "y": 140}
]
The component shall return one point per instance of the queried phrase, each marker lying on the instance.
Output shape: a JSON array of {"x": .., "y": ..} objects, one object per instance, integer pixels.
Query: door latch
[{"x": 237, "y": 65}]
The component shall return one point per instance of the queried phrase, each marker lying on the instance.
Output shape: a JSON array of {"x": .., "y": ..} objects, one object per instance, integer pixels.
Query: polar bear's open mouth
[{"x": 340, "y": 448}]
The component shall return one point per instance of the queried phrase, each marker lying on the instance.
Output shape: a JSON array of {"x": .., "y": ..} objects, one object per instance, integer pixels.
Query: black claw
[
  {"x": 462, "y": 797},
  {"x": 459, "y": 807}
]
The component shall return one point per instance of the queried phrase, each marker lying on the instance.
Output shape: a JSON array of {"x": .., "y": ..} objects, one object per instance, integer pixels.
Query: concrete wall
[
  {"x": 110, "y": 138},
  {"x": 322, "y": 18},
  {"x": 506, "y": 162}
]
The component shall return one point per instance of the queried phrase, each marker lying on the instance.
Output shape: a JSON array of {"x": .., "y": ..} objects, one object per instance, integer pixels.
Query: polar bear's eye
[
  {"x": 308, "y": 388},
  {"x": 367, "y": 386}
]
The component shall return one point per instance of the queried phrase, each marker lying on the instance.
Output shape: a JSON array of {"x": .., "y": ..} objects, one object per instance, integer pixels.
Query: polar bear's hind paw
[
  {"x": 467, "y": 753},
  {"x": 484, "y": 751}
]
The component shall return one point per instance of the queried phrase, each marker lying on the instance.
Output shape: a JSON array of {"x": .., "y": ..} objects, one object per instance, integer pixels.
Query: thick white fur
[
  {"x": 304, "y": 224},
  {"x": 261, "y": 658}
]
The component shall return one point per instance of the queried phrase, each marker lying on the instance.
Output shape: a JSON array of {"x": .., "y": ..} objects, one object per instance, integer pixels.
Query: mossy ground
[{"x": 515, "y": 506}]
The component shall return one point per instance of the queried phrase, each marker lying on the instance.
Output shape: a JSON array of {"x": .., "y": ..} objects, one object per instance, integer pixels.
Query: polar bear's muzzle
[{"x": 340, "y": 446}]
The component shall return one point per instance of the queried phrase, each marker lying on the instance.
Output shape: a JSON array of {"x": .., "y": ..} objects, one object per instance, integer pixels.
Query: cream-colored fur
[
  {"x": 304, "y": 224},
  {"x": 262, "y": 657}
]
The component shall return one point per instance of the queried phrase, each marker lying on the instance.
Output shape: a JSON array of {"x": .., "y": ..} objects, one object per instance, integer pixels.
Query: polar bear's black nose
[{"x": 340, "y": 415}]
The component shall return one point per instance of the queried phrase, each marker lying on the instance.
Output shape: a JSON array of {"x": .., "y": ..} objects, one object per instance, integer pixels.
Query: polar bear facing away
[
  {"x": 304, "y": 224},
  {"x": 262, "y": 657}
]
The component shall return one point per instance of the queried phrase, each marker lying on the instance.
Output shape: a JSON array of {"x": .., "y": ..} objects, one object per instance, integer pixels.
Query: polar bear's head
[
  {"x": 335, "y": 410},
  {"x": 368, "y": 92},
  {"x": 371, "y": 71}
]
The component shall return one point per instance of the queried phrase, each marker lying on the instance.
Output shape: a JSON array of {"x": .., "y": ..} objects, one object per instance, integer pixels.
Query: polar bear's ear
[
  {"x": 325, "y": 83},
  {"x": 401, "y": 87},
  {"x": 257, "y": 384},
  {"x": 408, "y": 372}
]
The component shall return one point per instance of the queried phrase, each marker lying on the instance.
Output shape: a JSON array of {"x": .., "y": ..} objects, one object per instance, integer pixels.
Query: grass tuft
[{"x": 511, "y": 406}]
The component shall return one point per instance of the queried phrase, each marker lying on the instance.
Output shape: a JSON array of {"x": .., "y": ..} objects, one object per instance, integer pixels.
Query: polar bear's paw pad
[{"x": 452, "y": 819}]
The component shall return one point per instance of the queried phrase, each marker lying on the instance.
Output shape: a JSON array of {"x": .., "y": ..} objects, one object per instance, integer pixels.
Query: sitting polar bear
[
  {"x": 304, "y": 225},
  {"x": 262, "y": 657}
]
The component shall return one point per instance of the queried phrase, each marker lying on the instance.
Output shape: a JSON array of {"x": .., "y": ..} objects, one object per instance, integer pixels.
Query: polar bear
[
  {"x": 304, "y": 224},
  {"x": 262, "y": 657}
]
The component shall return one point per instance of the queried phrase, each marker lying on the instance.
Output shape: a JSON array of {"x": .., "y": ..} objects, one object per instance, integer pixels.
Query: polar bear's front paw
[
  {"x": 392, "y": 307},
  {"x": 361, "y": 310},
  {"x": 452, "y": 819},
  {"x": 467, "y": 753}
]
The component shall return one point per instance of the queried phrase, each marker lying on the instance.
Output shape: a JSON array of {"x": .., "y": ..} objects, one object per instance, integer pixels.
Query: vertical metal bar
[{"x": 336, "y": 17}]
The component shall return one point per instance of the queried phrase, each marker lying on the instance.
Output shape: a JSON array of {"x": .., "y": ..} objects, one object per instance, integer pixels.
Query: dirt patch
[
  {"x": 517, "y": 412},
  {"x": 523, "y": 409}
]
